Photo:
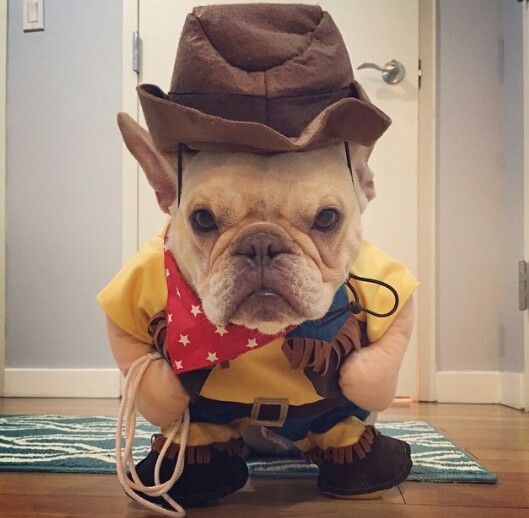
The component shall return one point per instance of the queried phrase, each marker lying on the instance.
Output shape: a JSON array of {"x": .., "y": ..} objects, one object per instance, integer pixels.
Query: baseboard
[
  {"x": 512, "y": 389},
  {"x": 452, "y": 386},
  {"x": 480, "y": 387},
  {"x": 73, "y": 383},
  {"x": 402, "y": 402}
]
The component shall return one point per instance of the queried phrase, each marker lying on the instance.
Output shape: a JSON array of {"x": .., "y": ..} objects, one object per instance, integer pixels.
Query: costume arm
[
  {"x": 369, "y": 376},
  {"x": 161, "y": 398}
]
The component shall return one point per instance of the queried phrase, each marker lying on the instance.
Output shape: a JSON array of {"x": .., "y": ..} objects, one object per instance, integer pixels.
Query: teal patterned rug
[{"x": 75, "y": 444}]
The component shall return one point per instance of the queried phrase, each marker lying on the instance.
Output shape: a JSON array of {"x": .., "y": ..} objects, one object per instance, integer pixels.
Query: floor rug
[{"x": 76, "y": 444}]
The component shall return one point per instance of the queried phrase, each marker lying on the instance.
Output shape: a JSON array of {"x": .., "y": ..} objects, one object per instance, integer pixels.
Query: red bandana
[{"x": 193, "y": 342}]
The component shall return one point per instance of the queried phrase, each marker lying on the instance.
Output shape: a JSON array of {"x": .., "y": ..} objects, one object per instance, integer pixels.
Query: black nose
[{"x": 261, "y": 247}]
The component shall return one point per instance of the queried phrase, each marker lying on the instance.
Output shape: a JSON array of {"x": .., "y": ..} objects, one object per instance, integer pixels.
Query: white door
[{"x": 373, "y": 32}]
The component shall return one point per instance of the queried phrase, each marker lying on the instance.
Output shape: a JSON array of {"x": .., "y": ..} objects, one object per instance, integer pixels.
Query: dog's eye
[
  {"x": 326, "y": 220},
  {"x": 203, "y": 221}
]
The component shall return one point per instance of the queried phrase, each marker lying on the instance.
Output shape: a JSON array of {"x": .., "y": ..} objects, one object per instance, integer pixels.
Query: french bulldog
[{"x": 265, "y": 241}]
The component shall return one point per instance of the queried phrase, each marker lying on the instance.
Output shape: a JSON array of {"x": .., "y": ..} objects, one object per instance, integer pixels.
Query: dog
[
  {"x": 259, "y": 307},
  {"x": 274, "y": 200}
]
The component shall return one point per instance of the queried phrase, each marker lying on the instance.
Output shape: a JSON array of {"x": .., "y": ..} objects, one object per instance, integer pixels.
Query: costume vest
[{"x": 194, "y": 346}]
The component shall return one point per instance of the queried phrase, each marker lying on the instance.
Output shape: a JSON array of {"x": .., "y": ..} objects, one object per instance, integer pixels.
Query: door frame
[
  {"x": 426, "y": 145},
  {"x": 3, "y": 100},
  {"x": 525, "y": 9},
  {"x": 427, "y": 205}
]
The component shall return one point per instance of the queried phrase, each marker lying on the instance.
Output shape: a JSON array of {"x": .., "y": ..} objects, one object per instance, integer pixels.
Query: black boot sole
[
  {"x": 374, "y": 489},
  {"x": 202, "y": 500},
  {"x": 382, "y": 487}
]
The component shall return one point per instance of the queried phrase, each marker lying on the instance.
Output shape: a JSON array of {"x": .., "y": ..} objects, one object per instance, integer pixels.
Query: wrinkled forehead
[{"x": 287, "y": 170}]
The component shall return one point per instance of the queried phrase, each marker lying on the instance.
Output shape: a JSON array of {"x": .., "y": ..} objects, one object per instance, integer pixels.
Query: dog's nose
[{"x": 261, "y": 247}]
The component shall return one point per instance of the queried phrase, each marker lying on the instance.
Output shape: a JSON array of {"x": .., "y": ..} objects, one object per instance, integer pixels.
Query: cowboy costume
[{"x": 262, "y": 78}]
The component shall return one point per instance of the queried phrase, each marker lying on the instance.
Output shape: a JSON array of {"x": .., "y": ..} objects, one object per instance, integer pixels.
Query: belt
[{"x": 264, "y": 412}]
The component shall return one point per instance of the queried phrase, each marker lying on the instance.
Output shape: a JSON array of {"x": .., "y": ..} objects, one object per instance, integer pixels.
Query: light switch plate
[{"x": 33, "y": 15}]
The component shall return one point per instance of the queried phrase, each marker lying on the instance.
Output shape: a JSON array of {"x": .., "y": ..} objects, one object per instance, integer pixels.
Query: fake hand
[
  {"x": 161, "y": 398},
  {"x": 369, "y": 376}
]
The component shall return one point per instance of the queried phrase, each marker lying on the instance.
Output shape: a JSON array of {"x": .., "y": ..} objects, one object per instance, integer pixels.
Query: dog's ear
[
  {"x": 365, "y": 176},
  {"x": 157, "y": 169}
]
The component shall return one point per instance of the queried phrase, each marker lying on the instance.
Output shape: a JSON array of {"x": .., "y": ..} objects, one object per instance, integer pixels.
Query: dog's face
[{"x": 265, "y": 241}]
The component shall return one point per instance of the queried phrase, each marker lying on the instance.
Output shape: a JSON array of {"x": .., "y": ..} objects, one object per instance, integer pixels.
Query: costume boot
[
  {"x": 211, "y": 472},
  {"x": 365, "y": 469}
]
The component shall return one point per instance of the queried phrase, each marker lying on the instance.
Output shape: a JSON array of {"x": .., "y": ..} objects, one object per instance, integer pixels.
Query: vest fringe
[
  {"x": 345, "y": 454},
  {"x": 321, "y": 356},
  {"x": 318, "y": 355},
  {"x": 199, "y": 454}
]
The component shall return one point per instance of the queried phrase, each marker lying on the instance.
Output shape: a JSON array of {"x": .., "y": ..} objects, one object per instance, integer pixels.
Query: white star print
[
  {"x": 177, "y": 292},
  {"x": 167, "y": 272},
  {"x": 221, "y": 330},
  {"x": 252, "y": 342},
  {"x": 184, "y": 340},
  {"x": 212, "y": 357},
  {"x": 195, "y": 310},
  {"x": 169, "y": 318},
  {"x": 178, "y": 365}
]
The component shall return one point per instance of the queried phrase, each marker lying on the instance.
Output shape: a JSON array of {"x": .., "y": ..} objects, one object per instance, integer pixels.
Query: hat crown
[
  {"x": 256, "y": 37},
  {"x": 263, "y": 50}
]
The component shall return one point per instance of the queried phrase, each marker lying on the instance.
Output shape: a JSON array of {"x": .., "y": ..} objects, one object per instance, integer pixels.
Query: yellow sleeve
[
  {"x": 377, "y": 264},
  {"x": 138, "y": 291}
]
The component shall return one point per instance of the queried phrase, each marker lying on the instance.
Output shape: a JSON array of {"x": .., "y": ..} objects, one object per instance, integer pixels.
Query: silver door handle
[{"x": 393, "y": 72}]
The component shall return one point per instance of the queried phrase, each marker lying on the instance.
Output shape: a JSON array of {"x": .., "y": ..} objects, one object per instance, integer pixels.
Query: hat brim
[{"x": 170, "y": 124}]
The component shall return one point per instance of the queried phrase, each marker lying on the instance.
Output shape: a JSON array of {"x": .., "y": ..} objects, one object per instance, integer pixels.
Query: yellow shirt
[{"x": 139, "y": 291}]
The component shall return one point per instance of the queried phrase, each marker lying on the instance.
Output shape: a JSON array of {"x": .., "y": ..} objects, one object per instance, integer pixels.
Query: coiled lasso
[{"x": 124, "y": 459}]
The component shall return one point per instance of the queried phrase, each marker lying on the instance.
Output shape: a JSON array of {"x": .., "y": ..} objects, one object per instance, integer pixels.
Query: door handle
[{"x": 393, "y": 72}]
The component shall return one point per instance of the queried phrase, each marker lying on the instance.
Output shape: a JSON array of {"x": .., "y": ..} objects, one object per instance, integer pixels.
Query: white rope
[{"x": 127, "y": 414}]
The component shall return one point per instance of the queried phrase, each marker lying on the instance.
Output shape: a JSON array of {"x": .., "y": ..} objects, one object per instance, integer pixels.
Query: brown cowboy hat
[{"x": 261, "y": 78}]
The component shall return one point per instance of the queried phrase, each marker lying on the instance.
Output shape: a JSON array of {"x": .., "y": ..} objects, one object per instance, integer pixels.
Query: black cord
[
  {"x": 348, "y": 157},
  {"x": 380, "y": 283},
  {"x": 179, "y": 172},
  {"x": 355, "y": 307}
]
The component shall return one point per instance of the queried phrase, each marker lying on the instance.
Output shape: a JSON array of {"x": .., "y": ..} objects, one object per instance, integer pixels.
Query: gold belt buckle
[{"x": 257, "y": 420}]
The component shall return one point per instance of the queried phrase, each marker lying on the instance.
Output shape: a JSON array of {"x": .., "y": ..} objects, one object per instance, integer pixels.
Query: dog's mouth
[
  {"x": 266, "y": 292},
  {"x": 270, "y": 297},
  {"x": 267, "y": 303},
  {"x": 261, "y": 308}
]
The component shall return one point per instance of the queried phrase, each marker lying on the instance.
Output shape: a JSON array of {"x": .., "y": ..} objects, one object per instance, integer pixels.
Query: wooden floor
[{"x": 498, "y": 436}]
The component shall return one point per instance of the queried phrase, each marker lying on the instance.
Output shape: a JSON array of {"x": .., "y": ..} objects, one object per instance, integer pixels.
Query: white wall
[
  {"x": 479, "y": 186},
  {"x": 513, "y": 164},
  {"x": 63, "y": 182}
]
